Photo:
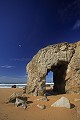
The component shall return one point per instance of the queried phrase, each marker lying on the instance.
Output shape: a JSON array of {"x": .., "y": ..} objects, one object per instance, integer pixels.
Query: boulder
[
  {"x": 18, "y": 99},
  {"x": 62, "y": 102},
  {"x": 13, "y": 97},
  {"x": 13, "y": 86}
]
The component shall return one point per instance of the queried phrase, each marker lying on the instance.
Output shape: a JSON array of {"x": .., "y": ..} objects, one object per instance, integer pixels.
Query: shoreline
[
  {"x": 19, "y": 85},
  {"x": 10, "y": 85}
]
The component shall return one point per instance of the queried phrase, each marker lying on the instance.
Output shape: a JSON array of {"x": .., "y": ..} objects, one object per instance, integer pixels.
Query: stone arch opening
[
  {"x": 49, "y": 83},
  {"x": 59, "y": 75},
  {"x": 49, "y": 77}
]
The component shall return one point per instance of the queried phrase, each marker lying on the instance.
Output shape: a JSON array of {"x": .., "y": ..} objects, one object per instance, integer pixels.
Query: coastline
[
  {"x": 18, "y": 85},
  {"x": 8, "y": 85}
]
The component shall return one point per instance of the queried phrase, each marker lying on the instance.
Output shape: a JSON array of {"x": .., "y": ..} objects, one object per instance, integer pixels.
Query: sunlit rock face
[{"x": 64, "y": 60}]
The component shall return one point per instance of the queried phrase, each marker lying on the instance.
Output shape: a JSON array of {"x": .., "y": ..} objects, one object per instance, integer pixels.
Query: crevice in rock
[{"x": 72, "y": 55}]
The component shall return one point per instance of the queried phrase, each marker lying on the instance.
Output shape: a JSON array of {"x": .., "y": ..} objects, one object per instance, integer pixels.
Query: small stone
[
  {"x": 76, "y": 99},
  {"x": 43, "y": 99},
  {"x": 41, "y": 106}
]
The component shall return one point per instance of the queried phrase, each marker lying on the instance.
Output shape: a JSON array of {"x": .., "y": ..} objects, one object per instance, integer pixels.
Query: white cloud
[
  {"x": 20, "y": 59},
  {"x": 7, "y": 66},
  {"x": 76, "y": 25}
]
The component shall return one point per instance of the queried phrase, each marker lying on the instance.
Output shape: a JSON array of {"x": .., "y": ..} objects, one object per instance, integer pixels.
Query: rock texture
[
  {"x": 41, "y": 106},
  {"x": 42, "y": 99},
  {"x": 13, "y": 97},
  {"x": 18, "y": 99},
  {"x": 62, "y": 102},
  {"x": 21, "y": 102},
  {"x": 64, "y": 60}
]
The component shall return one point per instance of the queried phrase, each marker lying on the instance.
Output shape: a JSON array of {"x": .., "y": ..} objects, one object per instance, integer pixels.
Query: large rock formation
[{"x": 64, "y": 60}]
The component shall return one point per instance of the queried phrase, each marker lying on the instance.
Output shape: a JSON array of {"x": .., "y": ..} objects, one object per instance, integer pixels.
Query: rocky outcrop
[{"x": 63, "y": 60}]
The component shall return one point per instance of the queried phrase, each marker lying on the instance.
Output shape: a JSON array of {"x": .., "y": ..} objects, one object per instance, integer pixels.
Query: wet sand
[{"x": 11, "y": 112}]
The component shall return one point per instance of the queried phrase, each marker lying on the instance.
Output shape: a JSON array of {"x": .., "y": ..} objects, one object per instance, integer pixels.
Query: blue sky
[{"x": 29, "y": 25}]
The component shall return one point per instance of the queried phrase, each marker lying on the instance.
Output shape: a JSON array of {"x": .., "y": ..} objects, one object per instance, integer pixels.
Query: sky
[{"x": 26, "y": 26}]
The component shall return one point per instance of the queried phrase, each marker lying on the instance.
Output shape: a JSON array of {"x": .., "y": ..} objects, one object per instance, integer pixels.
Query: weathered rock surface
[
  {"x": 62, "y": 102},
  {"x": 18, "y": 99},
  {"x": 13, "y": 97},
  {"x": 21, "y": 102},
  {"x": 41, "y": 106},
  {"x": 64, "y": 60},
  {"x": 42, "y": 99}
]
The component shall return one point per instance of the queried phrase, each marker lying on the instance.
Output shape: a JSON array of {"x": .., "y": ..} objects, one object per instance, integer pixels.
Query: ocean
[
  {"x": 20, "y": 85},
  {"x": 10, "y": 85}
]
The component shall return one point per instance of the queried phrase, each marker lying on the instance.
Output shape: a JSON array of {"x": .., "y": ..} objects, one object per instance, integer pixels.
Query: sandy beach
[{"x": 11, "y": 112}]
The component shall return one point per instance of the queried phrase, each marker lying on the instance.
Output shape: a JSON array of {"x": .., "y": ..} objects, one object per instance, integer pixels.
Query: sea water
[
  {"x": 20, "y": 85},
  {"x": 10, "y": 85}
]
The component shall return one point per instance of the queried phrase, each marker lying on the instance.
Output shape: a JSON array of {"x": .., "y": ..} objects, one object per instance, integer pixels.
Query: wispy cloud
[
  {"x": 23, "y": 76},
  {"x": 69, "y": 10},
  {"x": 76, "y": 25},
  {"x": 7, "y": 66},
  {"x": 20, "y": 59},
  {"x": 9, "y": 79}
]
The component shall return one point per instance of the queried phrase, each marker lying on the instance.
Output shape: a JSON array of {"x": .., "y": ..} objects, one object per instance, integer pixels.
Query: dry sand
[{"x": 11, "y": 112}]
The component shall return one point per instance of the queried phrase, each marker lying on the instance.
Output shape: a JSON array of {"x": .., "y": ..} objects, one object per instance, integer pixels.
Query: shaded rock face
[{"x": 64, "y": 60}]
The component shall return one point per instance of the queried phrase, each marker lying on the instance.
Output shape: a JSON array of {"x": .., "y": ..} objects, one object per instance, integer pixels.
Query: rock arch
[{"x": 64, "y": 60}]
